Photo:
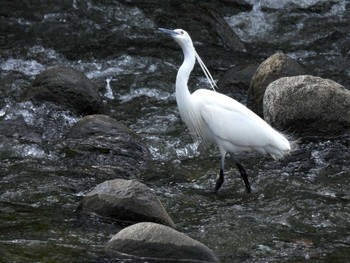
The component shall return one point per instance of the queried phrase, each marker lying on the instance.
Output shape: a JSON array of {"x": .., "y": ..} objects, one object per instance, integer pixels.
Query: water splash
[
  {"x": 32, "y": 151},
  {"x": 109, "y": 92},
  {"x": 26, "y": 67},
  {"x": 261, "y": 25},
  {"x": 148, "y": 92},
  {"x": 282, "y": 4},
  {"x": 188, "y": 151},
  {"x": 252, "y": 25},
  {"x": 44, "y": 118}
]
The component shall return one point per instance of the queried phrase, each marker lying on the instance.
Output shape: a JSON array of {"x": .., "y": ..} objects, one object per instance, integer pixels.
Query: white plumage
[{"x": 219, "y": 119}]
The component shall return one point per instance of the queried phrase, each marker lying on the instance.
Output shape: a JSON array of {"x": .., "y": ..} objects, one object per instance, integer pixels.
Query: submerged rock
[
  {"x": 276, "y": 66},
  {"x": 308, "y": 105},
  {"x": 68, "y": 87},
  {"x": 100, "y": 124},
  {"x": 157, "y": 243},
  {"x": 126, "y": 200},
  {"x": 101, "y": 141}
]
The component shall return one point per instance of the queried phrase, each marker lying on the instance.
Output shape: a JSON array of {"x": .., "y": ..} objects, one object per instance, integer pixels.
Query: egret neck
[{"x": 182, "y": 92}]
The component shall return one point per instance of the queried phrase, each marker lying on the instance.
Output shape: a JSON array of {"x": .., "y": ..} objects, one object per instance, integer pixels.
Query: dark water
[{"x": 300, "y": 207}]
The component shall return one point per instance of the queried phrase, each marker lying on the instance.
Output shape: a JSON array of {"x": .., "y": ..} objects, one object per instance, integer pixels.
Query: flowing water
[{"x": 300, "y": 206}]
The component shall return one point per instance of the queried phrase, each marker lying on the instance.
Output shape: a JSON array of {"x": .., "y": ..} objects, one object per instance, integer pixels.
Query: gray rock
[
  {"x": 157, "y": 243},
  {"x": 126, "y": 200},
  {"x": 100, "y": 141},
  {"x": 235, "y": 81},
  {"x": 68, "y": 87},
  {"x": 218, "y": 24},
  {"x": 276, "y": 66},
  {"x": 99, "y": 124},
  {"x": 308, "y": 105}
]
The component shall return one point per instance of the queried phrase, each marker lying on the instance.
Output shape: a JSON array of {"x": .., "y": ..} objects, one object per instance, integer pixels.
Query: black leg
[
  {"x": 243, "y": 174},
  {"x": 219, "y": 181}
]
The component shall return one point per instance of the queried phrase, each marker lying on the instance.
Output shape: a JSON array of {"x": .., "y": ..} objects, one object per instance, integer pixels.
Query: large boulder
[
  {"x": 276, "y": 66},
  {"x": 126, "y": 200},
  {"x": 102, "y": 142},
  {"x": 157, "y": 243},
  {"x": 68, "y": 87},
  {"x": 308, "y": 105}
]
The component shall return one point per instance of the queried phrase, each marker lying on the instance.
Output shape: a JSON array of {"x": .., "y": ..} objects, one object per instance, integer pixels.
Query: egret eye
[{"x": 182, "y": 32}]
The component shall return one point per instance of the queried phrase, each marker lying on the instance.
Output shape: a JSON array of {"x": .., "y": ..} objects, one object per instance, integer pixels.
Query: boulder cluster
[
  {"x": 291, "y": 100},
  {"x": 280, "y": 91},
  {"x": 115, "y": 152}
]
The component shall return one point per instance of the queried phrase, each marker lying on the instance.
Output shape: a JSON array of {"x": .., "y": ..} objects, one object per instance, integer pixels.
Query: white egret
[{"x": 219, "y": 119}]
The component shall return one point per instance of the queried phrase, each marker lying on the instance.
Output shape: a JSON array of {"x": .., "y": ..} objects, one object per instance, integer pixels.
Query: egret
[{"x": 219, "y": 119}]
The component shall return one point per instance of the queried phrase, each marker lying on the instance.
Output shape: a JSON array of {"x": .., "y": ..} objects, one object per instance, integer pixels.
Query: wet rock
[
  {"x": 157, "y": 243},
  {"x": 277, "y": 66},
  {"x": 68, "y": 87},
  {"x": 235, "y": 82},
  {"x": 126, "y": 200},
  {"x": 218, "y": 24},
  {"x": 19, "y": 129},
  {"x": 204, "y": 21},
  {"x": 308, "y": 105},
  {"x": 99, "y": 124},
  {"x": 100, "y": 141}
]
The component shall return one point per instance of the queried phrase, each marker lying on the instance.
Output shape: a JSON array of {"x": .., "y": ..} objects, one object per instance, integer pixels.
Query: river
[{"x": 299, "y": 208}]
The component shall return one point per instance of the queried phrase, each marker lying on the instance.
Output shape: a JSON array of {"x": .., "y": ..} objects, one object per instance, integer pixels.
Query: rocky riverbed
[{"x": 87, "y": 98}]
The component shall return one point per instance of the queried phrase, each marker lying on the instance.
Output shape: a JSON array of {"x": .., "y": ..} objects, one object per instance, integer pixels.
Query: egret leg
[
  {"x": 220, "y": 179},
  {"x": 243, "y": 174}
]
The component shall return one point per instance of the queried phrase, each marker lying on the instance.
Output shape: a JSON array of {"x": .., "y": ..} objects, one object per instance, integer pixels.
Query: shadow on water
[{"x": 299, "y": 208}]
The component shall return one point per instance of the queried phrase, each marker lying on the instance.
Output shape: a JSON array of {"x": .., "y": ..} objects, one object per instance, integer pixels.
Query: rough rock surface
[
  {"x": 101, "y": 141},
  {"x": 99, "y": 124},
  {"x": 236, "y": 80},
  {"x": 308, "y": 105},
  {"x": 126, "y": 200},
  {"x": 158, "y": 243},
  {"x": 276, "y": 66},
  {"x": 68, "y": 87}
]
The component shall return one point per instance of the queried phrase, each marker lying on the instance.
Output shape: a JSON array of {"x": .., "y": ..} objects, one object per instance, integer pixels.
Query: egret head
[
  {"x": 180, "y": 36},
  {"x": 184, "y": 40}
]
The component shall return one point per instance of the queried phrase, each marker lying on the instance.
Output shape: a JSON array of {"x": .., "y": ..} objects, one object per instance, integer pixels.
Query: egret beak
[{"x": 168, "y": 31}]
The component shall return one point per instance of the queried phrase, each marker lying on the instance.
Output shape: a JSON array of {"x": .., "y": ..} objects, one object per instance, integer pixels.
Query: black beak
[{"x": 168, "y": 31}]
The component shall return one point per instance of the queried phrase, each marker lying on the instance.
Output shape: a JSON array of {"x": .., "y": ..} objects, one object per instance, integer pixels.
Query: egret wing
[{"x": 234, "y": 126}]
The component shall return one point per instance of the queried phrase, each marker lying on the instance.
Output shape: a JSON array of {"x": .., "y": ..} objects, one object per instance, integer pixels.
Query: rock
[
  {"x": 276, "y": 66},
  {"x": 235, "y": 82},
  {"x": 308, "y": 105},
  {"x": 68, "y": 87},
  {"x": 100, "y": 124},
  {"x": 206, "y": 19},
  {"x": 217, "y": 24},
  {"x": 100, "y": 141},
  {"x": 126, "y": 200},
  {"x": 157, "y": 243}
]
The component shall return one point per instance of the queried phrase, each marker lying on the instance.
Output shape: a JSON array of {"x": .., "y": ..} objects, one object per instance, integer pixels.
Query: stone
[
  {"x": 126, "y": 200},
  {"x": 101, "y": 141},
  {"x": 68, "y": 87},
  {"x": 158, "y": 243},
  {"x": 99, "y": 124},
  {"x": 276, "y": 66},
  {"x": 308, "y": 105},
  {"x": 236, "y": 80}
]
